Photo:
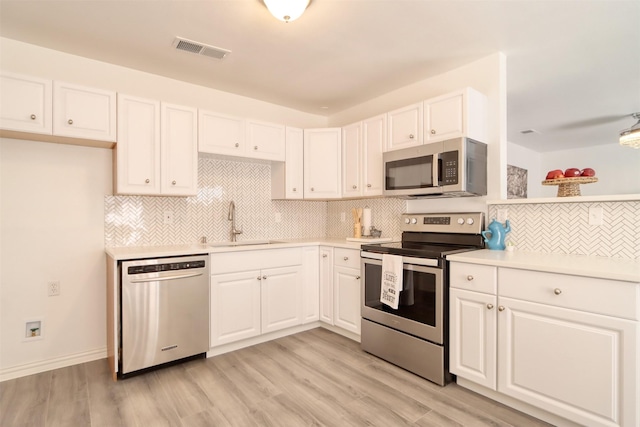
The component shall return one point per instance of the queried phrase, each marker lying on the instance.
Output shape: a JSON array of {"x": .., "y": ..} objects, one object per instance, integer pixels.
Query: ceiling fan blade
[{"x": 596, "y": 121}]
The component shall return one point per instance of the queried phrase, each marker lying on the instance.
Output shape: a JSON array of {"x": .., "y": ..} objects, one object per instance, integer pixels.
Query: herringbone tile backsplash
[{"x": 564, "y": 228}]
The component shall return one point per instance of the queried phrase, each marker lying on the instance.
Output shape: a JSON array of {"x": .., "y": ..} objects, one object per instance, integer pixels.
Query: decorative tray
[{"x": 568, "y": 187}]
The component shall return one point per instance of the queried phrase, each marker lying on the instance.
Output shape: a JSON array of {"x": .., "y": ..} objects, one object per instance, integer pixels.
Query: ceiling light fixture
[
  {"x": 631, "y": 137},
  {"x": 287, "y": 10}
]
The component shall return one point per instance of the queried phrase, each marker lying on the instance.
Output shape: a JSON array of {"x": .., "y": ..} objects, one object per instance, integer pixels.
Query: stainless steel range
[{"x": 415, "y": 335}]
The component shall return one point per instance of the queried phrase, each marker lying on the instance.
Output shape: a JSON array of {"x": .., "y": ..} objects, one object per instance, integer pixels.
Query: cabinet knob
[
  {"x": 411, "y": 136},
  {"x": 70, "y": 121},
  {"x": 489, "y": 306},
  {"x": 255, "y": 147},
  {"x": 501, "y": 308},
  {"x": 469, "y": 277},
  {"x": 346, "y": 258},
  {"x": 368, "y": 185},
  {"x": 433, "y": 131},
  {"x": 264, "y": 277},
  {"x": 146, "y": 181},
  {"x": 259, "y": 278},
  {"x": 33, "y": 117},
  {"x": 237, "y": 145},
  {"x": 557, "y": 291},
  {"x": 173, "y": 183},
  {"x": 311, "y": 188},
  {"x": 357, "y": 277},
  {"x": 354, "y": 187},
  {"x": 294, "y": 190},
  {"x": 324, "y": 255}
]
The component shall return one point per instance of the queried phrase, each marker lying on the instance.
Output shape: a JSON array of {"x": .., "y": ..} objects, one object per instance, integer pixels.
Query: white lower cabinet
[
  {"x": 311, "y": 284},
  {"x": 346, "y": 298},
  {"x": 265, "y": 298},
  {"x": 565, "y": 344},
  {"x": 326, "y": 284}
]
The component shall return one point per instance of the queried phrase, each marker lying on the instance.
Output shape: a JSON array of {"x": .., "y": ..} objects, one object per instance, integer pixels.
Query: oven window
[
  {"x": 417, "y": 298},
  {"x": 409, "y": 173}
]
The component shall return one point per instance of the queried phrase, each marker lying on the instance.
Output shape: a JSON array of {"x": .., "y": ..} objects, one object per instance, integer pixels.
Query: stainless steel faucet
[{"x": 232, "y": 218}]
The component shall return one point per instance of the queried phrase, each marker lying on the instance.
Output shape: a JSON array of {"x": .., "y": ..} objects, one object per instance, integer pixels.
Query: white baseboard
[{"x": 50, "y": 364}]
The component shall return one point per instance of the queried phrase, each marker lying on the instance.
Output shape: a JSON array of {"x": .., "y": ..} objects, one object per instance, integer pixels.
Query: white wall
[
  {"x": 487, "y": 75},
  {"x": 52, "y": 228},
  {"x": 530, "y": 160},
  {"x": 617, "y": 168}
]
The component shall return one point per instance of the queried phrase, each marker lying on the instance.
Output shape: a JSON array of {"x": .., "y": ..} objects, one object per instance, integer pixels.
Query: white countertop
[
  {"x": 138, "y": 252},
  {"x": 579, "y": 265}
]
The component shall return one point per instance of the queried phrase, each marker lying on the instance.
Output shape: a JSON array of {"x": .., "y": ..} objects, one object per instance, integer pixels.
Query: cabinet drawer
[
  {"x": 347, "y": 258},
  {"x": 230, "y": 262},
  {"x": 473, "y": 277},
  {"x": 602, "y": 296}
]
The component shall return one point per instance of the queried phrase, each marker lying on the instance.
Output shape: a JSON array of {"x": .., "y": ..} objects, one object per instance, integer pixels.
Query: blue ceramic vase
[{"x": 497, "y": 233}]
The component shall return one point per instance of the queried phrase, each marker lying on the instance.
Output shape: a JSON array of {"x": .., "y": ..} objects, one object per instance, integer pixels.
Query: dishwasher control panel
[{"x": 156, "y": 268}]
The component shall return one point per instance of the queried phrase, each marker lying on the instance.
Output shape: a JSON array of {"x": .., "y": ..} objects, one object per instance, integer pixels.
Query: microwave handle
[{"x": 437, "y": 163}]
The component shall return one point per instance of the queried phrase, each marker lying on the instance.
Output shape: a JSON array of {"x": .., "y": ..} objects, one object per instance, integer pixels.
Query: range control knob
[
  {"x": 406, "y": 220},
  {"x": 470, "y": 221},
  {"x": 460, "y": 221},
  {"x": 414, "y": 221}
]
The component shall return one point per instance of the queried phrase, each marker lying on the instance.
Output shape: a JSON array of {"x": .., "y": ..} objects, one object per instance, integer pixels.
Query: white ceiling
[{"x": 573, "y": 66}]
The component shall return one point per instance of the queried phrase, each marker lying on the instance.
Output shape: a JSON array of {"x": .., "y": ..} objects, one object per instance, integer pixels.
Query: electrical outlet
[
  {"x": 343, "y": 216},
  {"x": 595, "y": 215},
  {"x": 53, "y": 288},
  {"x": 278, "y": 217},
  {"x": 503, "y": 215},
  {"x": 168, "y": 217}
]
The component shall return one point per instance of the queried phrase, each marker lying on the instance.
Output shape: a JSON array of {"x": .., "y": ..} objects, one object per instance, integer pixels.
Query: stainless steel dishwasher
[{"x": 164, "y": 310}]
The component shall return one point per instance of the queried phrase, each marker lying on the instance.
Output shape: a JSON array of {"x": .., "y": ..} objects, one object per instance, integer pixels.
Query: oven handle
[{"x": 428, "y": 262}]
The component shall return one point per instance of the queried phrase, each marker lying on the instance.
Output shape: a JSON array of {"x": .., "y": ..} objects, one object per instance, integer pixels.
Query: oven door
[{"x": 421, "y": 306}]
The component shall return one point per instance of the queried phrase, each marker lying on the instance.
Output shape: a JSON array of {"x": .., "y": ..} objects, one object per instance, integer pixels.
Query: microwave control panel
[{"x": 449, "y": 167}]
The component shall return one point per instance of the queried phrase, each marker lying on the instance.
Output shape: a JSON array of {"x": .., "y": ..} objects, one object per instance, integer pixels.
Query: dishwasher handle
[{"x": 165, "y": 277}]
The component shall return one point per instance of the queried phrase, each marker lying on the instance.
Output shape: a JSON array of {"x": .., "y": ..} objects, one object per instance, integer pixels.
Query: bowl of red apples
[{"x": 569, "y": 180}]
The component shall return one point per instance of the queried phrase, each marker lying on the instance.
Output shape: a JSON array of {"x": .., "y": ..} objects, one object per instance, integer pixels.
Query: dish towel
[{"x": 391, "y": 280}]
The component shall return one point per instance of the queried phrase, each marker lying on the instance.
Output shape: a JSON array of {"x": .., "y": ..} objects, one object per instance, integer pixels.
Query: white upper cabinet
[
  {"x": 461, "y": 113},
  {"x": 25, "y": 104},
  {"x": 157, "y": 151},
  {"x": 179, "y": 150},
  {"x": 352, "y": 160},
  {"x": 287, "y": 179},
  {"x": 374, "y": 134},
  {"x": 82, "y": 112},
  {"x": 220, "y": 134},
  {"x": 138, "y": 148},
  {"x": 265, "y": 141},
  {"x": 322, "y": 163},
  {"x": 405, "y": 127}
]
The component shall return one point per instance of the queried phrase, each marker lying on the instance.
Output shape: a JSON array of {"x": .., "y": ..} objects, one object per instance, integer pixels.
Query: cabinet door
[
  {"x": 235, "y": 306},
  {"x": 444, "y": 117},
  {"x": 281, "y": 298},
  {"x": 326, "y": 285},
  {"x": 374, "y": 135},
  {"x": 405, "y": 127},
  {"x": 352, "y": 160},
  {"x": 138, "y": 149},
  {"x": 220, "y": 134},
  {"x": 25, "y": 104},
  {"x": 294, "y": 163},
  {"x": 322, "y": 163},
  {"x": 265, "y": 141},
  {"x": 346, "y": 298},
  {"x": 82, "y": 112},
  {"x": 179, "y": 152},
  {"x": 311, "y": 284},
  {"x": 578, "y": 365},
  {"x": 473, "y": 322}
]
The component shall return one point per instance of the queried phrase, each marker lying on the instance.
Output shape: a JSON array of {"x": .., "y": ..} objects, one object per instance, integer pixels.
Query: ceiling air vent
[{"x": 200, "y": 48}]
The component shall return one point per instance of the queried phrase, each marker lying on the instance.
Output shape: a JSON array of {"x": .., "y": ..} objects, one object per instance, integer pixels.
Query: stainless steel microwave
[{"x": 452, "y": 168}]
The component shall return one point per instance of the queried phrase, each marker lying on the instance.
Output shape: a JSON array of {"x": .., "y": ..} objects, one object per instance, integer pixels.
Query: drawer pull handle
[
  {"x": 237, "y": 145},
  {"x": 324, "y": 255},
  {"x": 411, "y": 136},
  {"x": 469, "y": 277},
  {"x": 255, "y": 147},
  {"x": 501, "y": 308},
  {"x": 346, "y": 258},
  {"x": 146, "y": 181},
  {"x": 368, "y": 185},
  {"x": 173, "y": 183},
  {"x": 354, "y": 187},
  {"x": 33, "y": 117},
  {"x": 70, "y": 121},
  {"x": 557, "y": 291},
  {"x": 433, "y": 131},
  {"x": 489, "y": 306}
]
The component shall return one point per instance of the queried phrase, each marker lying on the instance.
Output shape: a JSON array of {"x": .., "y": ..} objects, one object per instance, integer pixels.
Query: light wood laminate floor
[{"x": 315, "y": 378}]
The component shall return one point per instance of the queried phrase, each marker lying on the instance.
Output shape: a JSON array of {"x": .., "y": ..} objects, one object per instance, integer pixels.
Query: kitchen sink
[{"x": 242, "y": 243}]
